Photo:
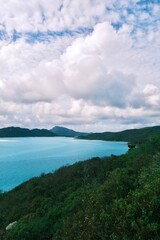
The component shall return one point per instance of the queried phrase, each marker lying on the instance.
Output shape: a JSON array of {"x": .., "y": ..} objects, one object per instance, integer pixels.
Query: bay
[{"x": 24, "y": 158}]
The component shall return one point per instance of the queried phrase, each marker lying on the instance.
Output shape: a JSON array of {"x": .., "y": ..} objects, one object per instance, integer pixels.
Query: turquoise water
[{"x": 24, "y": 158}]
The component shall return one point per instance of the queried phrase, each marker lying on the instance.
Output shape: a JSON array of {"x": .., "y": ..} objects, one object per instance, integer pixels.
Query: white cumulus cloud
[{"x": 104, "y": 78}]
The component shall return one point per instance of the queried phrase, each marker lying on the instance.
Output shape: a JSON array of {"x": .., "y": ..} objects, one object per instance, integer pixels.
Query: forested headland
[
  {"x": 115, "y": 198},
  {"x": 129, "y": 135}
]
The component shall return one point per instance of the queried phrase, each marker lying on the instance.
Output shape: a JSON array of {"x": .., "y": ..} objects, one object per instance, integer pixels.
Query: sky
[{"x": 90, "y": 65}]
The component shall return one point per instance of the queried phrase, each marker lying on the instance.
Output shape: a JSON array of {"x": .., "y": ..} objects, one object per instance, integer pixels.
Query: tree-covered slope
[
  {"x": 25, "y": 132},
  {"x": 99, "y": 199},
  {"x": 131, "y": 135}
]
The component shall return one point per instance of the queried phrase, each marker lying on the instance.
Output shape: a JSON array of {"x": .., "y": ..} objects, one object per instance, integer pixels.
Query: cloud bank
[{"x": 92, "y": 66}]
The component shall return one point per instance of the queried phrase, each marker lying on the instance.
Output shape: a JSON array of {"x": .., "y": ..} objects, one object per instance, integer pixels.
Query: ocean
[{"x": 24, "y": 158}]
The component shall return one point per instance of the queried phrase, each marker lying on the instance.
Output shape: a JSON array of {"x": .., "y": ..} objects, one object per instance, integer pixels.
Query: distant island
[
  {"x": 25, "y": 132},
  {"x": 66, "y": 132},
  {"x": 130, "y": 135}
]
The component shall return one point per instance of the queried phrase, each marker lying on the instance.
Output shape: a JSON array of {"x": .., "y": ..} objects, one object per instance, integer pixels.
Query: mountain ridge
[
  {"x": 128, "y": 135},
  {"x": 25, "y": 132},
  {"x": 66, "y": 132}
]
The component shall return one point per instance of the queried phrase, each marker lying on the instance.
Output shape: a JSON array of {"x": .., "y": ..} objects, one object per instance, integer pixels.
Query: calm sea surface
[{"x": 24, "y": 158}]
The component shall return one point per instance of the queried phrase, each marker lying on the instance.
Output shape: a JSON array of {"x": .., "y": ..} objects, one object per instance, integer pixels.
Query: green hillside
[
  {"x": 131, "y": 135},
  {"x": 115, "y": 198},
  {"x": 25, "y": 132}
]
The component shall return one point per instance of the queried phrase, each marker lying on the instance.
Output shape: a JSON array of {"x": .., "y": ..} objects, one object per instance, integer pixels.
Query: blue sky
[
  {"x": 138, "y": 14},
  {"x": 91, "y": 65}
]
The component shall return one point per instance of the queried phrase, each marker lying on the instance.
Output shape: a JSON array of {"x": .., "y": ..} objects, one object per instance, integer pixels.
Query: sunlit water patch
[{"x": 24, "y": 158}]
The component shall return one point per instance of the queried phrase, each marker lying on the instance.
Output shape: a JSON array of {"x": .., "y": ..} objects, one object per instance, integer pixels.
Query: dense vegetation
[
  {"x": 131, "y": 135},
  {"x": 115, "y": 198},
  {"x": 25, "y": 132},
  {"x": 66, "y": 132}
]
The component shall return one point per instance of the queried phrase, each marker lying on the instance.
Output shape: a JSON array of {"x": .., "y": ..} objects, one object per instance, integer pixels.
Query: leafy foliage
[{"x": 115, "y": 198}]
